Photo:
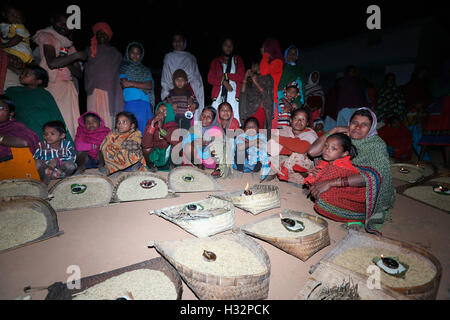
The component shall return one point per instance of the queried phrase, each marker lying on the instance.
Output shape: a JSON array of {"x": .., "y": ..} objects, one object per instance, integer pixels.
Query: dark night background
[{"x": 303, "y": 23}]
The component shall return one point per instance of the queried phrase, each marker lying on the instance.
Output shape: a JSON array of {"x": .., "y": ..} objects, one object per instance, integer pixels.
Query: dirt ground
[{"x": 102, "y": 239}]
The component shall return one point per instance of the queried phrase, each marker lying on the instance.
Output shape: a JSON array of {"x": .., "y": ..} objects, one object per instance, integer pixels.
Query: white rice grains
[
  {"x": 96, "y": 194},
  {"x": 19, "y": 226},
  {"x": 273, "y": 228},
  {"x": 233, "y": 259},
  {"x": 130, "y": 189},
  {"x": 143, "y": 284}
]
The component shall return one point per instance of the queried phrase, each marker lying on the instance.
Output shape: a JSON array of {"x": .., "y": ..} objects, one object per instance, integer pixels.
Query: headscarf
[
  {"x": 232, "y": 124},
  {"x": 314, "y": 88},
  {"x": 170, "y": 116},
  {"x": 373, "y": 130},
  {"x": 286, "y": 53},
  {"x": 17, "y": 129},
  {"x": 94, "y": 137},
  {"x": 272, "y": 47},
  {"x": 97, "y": 27},
  {"x": 214, "y": 123},
  {"x": 136, "y": 71}
]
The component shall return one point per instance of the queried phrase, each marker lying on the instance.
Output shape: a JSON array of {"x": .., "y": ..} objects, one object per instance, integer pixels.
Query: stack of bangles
[{"x": 162, "y": 133}]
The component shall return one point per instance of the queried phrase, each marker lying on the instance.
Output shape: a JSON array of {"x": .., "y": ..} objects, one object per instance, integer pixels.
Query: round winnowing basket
[
  {"x": 220, "y": 217},
  {"x": 327, "y": 275},
  {"x": 129, "y": 188},
  {"x": 23, "y": 188},
  {"x": 416, "y": 173},
  {"x": 190, "y": 179},
  {"x": 424, "y": 193},
  {"x": 98, "y": 193},
  {"x": 302, "y": 247},
  {"x": 212, "y": 287},
  {"x": 60, "y": 291},
  {"x": 264, "y": 197},
  {"x": 20, "y": 204},
  {"x": 354, "y": 239}
]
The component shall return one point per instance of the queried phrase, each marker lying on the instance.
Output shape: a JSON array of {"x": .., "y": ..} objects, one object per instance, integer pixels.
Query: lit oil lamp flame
[
  {"x": 248, "y": 192},
  {"x": 389, "y": 262}
]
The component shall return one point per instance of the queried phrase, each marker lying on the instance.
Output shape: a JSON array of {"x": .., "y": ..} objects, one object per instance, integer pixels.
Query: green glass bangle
[{"x": 163, "y": 133}]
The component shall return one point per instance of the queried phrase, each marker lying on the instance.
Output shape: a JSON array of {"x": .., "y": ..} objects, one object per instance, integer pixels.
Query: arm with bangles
[{"x": 62, "y": 61}]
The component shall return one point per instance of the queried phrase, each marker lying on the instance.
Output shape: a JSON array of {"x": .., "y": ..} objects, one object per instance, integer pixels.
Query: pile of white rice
[
  {"x": 200, "y": 183},
  {"x": 130, "y": 189},
  {"x": 23, "y": 189},
  {"x": 232, "y": 258},
  {"x": 19, "y": 226},
  {"x": 97, "y": 193},
  {"x": 412, "y": 176},
  {"x": 144, "y": 284},
  {"x": 273, "y": 228}
]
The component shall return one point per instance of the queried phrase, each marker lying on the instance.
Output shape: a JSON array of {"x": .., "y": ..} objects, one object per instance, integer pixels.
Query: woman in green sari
[
  {"x": 292, "y": 71},
  {"x": 157, "y": 142},
  {"x": 35, "y": 106},
  {"x": 375, "y": 175}
]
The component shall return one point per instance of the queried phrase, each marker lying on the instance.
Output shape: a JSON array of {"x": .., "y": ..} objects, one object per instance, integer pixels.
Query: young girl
[
  {"x": 137, "y": 83},
  {"x": 318, "y": 127},
  {"x": 336, "y": 163},
  {"x": 183, "y": 100},
  {"x": 199, "y": 152},
  {"x": 55, "y": 156},
  {"x": 121, "y": 148},
  {"x": 90, "y": 134},
  {"x": 250, "y": 154},
  {"x": 286, "y": 105},
  {"x": 226, "y": 119}
]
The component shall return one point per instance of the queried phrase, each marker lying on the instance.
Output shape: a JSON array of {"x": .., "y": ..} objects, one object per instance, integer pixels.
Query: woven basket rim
[
  {"x": 264, "y": 259},
  {"x": 52, "y": 229},
  {"x": 325, "y": 267},
  {"x": 402, "y": 245},
  {"x": 158, "y": 264},
  {"x": 216, "y": 185},
  {"x": 315, "y": 219}
]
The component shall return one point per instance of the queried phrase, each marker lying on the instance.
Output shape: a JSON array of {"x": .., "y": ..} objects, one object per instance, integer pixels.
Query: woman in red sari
[{"x": 272, "y": 63}]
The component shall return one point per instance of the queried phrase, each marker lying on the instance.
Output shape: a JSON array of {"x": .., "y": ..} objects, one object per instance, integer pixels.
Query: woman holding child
[{"x": 372, "y": 163}]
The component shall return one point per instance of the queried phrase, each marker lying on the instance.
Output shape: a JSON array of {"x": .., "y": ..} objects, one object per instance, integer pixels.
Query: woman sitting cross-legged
[
  {"x": 157, "y": 142},
  {"x": 374, "y": 176}
]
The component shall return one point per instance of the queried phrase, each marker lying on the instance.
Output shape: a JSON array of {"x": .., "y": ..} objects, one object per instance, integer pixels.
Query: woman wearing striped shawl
[{"x": 375, "y": 176}]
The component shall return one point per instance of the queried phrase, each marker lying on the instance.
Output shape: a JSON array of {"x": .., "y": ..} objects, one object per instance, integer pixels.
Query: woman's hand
[
  {"x": 228, "y": 86},
  {"x": 320, "y": 187},
  {"x": 343, "y": 130},
  {"x": 125, "y": 83}
]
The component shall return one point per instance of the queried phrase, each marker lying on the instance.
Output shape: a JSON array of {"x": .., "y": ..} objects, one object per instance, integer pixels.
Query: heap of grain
[
  {"x": 24, "y": 189},
  {"x": 233, "y": 259},
  {"x": 143, "y": 284},
  {"x": 274, "y": 228},
  {"x": 427, "y": 195},
  {"x": 20, "y": 226},
  {"x": 359, "y": 259},
  {"x": 414, "y": 174},
  {"x": 130, "y": 189},
  {"x": 96, "y": 193}
]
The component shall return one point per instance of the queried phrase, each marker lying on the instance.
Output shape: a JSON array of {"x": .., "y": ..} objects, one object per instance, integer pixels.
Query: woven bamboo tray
[
  {"x": 38, "y": 205},
  {"x": 223, "y": 217},
  {"x": 212, "y": 287},
  {"x": 60, "y": 291},
  {"x": 419, "y": 169},
  {"x": 329, "y": 275},
  {"x": 401, "y": 190},
  {"x": 302, "y": 247},
  {"x": 23, "y": 188},
  {"x": 160, "y": 191},
  {"x": 82, "y": 201},
  {"x": 201, "y": 182},
  {"x": 354, "y": 239},
  {"x": 264, "y": 198}
]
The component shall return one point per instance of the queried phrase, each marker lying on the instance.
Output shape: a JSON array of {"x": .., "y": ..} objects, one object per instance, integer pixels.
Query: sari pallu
[{"x": 122, "y": 151}]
